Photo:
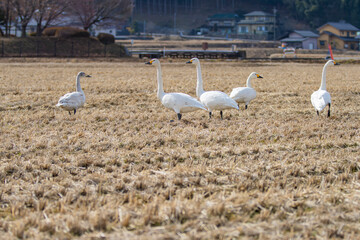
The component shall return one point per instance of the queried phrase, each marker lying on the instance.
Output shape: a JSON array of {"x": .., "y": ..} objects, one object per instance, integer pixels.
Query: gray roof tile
[
  {"x": 258, "y": 13},
  {"x": 305, "y": 33},
  {"x": 341, "y": 26}
]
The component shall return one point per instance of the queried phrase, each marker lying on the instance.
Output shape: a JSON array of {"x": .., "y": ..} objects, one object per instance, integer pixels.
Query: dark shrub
[
  {"x": 106, "y": 38},
  {"x": 66, "y": 32},
  {"x": 50, "y": 32}
]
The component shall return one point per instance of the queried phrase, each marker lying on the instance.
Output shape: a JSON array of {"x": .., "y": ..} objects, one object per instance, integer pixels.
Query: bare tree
[
  {"x": 91, "y": 12},
  {"x": 47, "y": 11},
  {"x": 24, "y": 10},
  {"x": 6, "y": 6}
]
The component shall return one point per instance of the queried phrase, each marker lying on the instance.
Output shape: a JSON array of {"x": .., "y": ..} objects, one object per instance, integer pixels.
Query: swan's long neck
[
  {"x": 160, "y": 92},
  {"x": 78, "y": 87},
  {"x": 199, "y": 84},
  {"x": 248, "y": 82},
  {"x": 323, "y": 80}
]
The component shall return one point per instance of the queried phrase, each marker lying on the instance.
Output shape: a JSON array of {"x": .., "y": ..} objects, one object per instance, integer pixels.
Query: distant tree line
[
  {"x": 46, "y": 12},
  {"x": 170, "y": 7},
  {"x": 312, "y": 12},
  {"x": 318, "y": 12}
]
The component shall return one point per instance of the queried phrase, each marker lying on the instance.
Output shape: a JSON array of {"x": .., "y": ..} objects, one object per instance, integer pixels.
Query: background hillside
[{"x": 159, "y": 15}]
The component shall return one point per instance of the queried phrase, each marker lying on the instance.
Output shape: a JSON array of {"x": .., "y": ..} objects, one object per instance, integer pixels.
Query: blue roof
[
  {"x": 258, "y": 13},
  {"x": 224, "y": 16},
  {"x": 305, "y": 33},
  {"x": 293, "y": 39},
  {"x": 341, "y": 26}
]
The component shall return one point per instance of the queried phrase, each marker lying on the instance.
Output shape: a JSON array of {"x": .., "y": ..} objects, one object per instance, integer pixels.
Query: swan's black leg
[
  {"x": 221, "y": 115},
  {"x": 245, "y": 107},
  {"x": 74, "y": 111},
  {"x": 317, "y": 113},
  {"x": 329, "y": 110},
  {"x": 179, "y": 116},
  {"x": 210, "y": 115},
  {"x": 69, "y": 113}
]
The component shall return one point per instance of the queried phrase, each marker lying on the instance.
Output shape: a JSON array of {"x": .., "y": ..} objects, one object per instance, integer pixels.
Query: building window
[
  {"x": 212, "y": 23},
  {"x": 352, "y": 33},
  {"x": 262, "y": 28},
  {"x": 244, "y": 29},
  {"x": 342, "y": 33},
  {"x": 322, "y": 43}
]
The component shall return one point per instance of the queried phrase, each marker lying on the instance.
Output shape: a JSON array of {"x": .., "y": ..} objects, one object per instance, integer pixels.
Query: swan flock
[
  {"x": 179, "y": 102},
  {"x": 213, "y": 100},
  {"x": 208, "y": 100}
]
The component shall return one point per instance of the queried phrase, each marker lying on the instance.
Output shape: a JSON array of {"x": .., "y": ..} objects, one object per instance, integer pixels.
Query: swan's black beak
[
  {"x": 189, "y": 62},
  {"x": 148, "y": 63},
  {"x": 336, "y": 63},
  {"x": 88, "y": 76},
  {"x": 259, "y": 76}
]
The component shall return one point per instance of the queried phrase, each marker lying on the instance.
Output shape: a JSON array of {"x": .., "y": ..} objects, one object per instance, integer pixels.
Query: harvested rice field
[{"x": 120, "y": 169}]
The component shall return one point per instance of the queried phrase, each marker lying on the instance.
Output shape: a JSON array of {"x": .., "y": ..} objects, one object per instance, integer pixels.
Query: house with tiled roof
[
  {"x": 341, "y": 35},
  {"x": 257, "y": 25},
  {"x": 223, "y": 23},
  {"x": 301, "y": 39}
]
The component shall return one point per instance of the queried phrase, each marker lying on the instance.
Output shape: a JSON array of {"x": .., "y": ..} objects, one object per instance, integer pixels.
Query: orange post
[{"x": 331, "y": 53}]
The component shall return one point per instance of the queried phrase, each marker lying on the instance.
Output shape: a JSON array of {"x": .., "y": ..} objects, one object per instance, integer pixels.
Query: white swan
[
  {"x": 179, "y": 102},
  {"x": 213, "y": 100},
  {"x": 245, "y": 94},
  {"x": 321, "y": 98},
  {"x": 73, "y": 101}
]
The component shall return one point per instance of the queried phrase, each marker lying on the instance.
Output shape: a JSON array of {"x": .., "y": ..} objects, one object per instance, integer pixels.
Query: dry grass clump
[{"x": 120, "y": 169}]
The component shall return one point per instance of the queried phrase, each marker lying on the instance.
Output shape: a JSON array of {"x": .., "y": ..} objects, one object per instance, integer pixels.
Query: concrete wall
[
  {"x": 335, "y": 42},
  {"x": 308, "y": 42}
]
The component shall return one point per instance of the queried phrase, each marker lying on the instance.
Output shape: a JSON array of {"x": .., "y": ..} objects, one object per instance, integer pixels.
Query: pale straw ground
[{"x": 119, "y": 169}]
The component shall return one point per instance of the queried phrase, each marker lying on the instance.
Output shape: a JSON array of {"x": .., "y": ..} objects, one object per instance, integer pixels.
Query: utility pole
[
  {"x": 274, "y": 10},
  {"x": 144, "y": 26},
  {"x": 175, "y": 21}
]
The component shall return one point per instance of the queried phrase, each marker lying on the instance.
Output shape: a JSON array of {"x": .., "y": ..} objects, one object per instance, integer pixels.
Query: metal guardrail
[{"x": 202, "y": 54}]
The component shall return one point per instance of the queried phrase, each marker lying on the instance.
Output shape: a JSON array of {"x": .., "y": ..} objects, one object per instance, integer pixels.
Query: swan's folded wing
[
  {"x": 182, "y": 102},
  {"x": 235, "y": 92},
  {"x": 75, "y": 99},
  {"x": 320, "y": 99},
  {"x": 243, "y": 94},
  {"x": 195, "y": 103},
  {"x": 218, "y": 100}
]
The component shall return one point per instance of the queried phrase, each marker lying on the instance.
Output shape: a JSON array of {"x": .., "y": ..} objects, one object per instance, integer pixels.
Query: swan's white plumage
[
  {"x": 181, "y": 102},
  {"x": 73, "y": 101},
  {"x": 245, "y": 94},
  {"x": 178, "y": 102},
  {"x": 321, "y": 98},
  {"x": 213, "y": 100},
  {"x": 216, "y": 100}
]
